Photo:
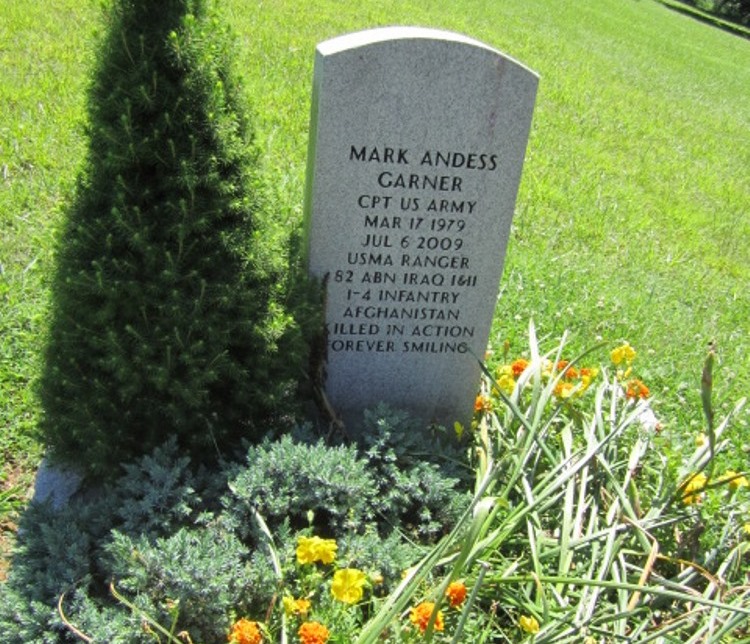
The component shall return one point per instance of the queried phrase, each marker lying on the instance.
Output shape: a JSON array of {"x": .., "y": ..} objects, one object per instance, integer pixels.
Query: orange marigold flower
[
  {"x": 564, "y": 390},
  {"x": 636, "y": 389},
  {"x": 313, "y": 633},
  {"x": 245, "y": 631},
  {"x": 482, "y": 404},
  {"x": 420, "y": 616},
  {"x": 571, "y": 373},
  {"x": 456, "y": 593},
  {"x": 519, "y": 366}
]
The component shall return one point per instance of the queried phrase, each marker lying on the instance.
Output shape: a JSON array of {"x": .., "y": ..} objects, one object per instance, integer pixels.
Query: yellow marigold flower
[
  {"x": 456, "y": 593},
  {"x": 587, "y": 376},
  {"x": 506, "y": 384},
  {"x": 564, "y": 390},
  {"x": 636, "y": 389},
  {"x": 624, "y": 375},
  {"x": 312, "y": 549},
  {"x": 746, "y": 528},
  {"x": 505, "y": 380},
  {"x": 294, "y": 606},
  {"x": 701, "y": 440},
  {"x": 692, "y": 491},
  {"x": 589, "y": 372},
  {"x": 313, "y": 633},
  {"x": 504, "y": 370},
  {"x": 624, "y": 353},
  {"x": 245, "y": 631},
  {"x": 735, "y": 480},
  {"x": 529, "y": 624},
  {"x": 420, "y": 616},
  {"x": 348, "y": 585},
  {"x": 519, "y": 366},
  {"x": 326, "y": 550}
]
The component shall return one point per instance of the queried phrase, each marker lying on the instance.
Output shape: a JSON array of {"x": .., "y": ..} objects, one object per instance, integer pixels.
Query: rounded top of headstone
[{"x": 389, "y": 34}]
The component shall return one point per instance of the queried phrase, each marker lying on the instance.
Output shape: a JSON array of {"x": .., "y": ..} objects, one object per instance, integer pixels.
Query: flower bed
[{"x": 554, "y": 517}]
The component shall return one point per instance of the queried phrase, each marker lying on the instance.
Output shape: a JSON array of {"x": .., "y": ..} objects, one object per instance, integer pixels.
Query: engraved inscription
[{"x": 408, "y": 269}]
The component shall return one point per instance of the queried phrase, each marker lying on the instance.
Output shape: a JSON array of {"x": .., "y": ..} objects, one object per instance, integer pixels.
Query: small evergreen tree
[{"x": 166, "y": 316}]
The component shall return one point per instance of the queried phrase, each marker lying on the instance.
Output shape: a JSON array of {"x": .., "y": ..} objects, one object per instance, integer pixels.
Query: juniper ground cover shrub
[
  {"x": 167, "y": 314},
  {"x": 415, "y": 469},
  {"x": 389, "y": 476},
  {"x": 181, "y": 544}
]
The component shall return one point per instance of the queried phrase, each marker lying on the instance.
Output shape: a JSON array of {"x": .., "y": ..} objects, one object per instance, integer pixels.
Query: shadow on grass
[{"x": 707, "y": 18}]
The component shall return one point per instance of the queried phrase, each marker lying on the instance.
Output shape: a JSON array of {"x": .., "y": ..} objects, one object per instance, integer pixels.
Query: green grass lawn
[
  {"x": 632, "y": 220},
  {"x": 44, "y": 55}
]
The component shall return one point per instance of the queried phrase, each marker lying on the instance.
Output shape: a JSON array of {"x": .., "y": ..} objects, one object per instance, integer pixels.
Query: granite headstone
[{"x": 417, "y": 141}]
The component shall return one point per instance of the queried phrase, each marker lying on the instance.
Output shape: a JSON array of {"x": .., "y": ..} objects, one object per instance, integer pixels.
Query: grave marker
[{"x": 417, "y": 140}]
